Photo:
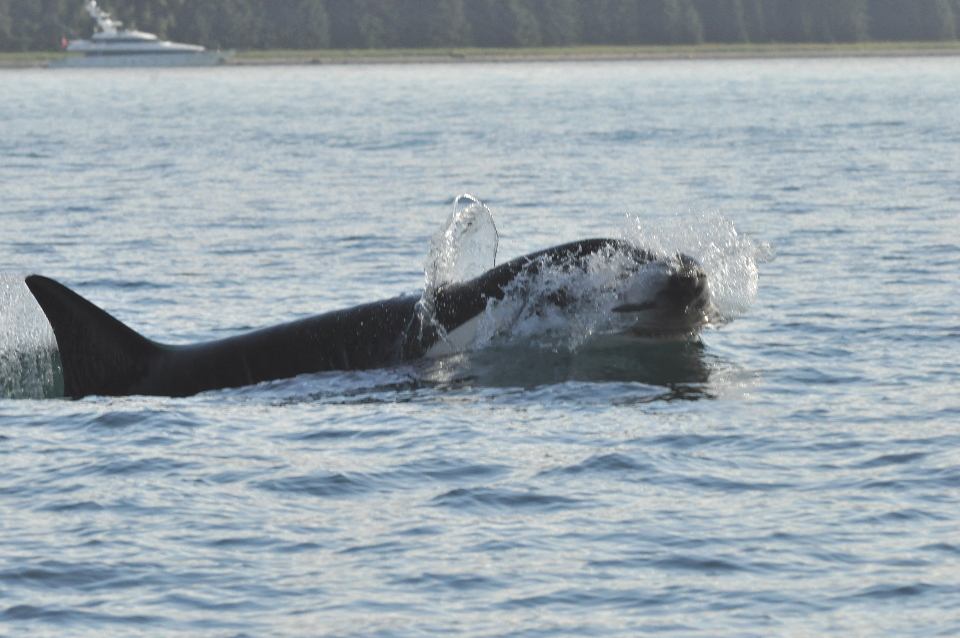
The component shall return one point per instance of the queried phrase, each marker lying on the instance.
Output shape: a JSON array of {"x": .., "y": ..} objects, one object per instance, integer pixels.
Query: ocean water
[{"x": 794, "y": 472}]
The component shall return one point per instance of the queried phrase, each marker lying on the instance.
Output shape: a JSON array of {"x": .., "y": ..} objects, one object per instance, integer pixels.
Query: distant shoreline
[{"x": 553, "y": 54}]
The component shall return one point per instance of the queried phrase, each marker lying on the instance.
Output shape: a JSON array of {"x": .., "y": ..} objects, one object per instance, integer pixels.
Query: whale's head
[
  {"x": 587, "y": 286},
  {"x": 666, "y": 297}
]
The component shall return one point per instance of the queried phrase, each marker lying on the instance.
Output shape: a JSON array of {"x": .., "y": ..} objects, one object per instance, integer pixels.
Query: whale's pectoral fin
[{"x": 100, "y": 355}]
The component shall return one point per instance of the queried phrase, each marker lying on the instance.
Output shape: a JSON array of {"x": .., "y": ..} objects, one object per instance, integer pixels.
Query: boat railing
[{"x": 106, "y": 24}]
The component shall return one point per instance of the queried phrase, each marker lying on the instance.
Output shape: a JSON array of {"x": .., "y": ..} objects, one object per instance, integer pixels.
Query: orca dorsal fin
[{"x": 100, "y": 355}]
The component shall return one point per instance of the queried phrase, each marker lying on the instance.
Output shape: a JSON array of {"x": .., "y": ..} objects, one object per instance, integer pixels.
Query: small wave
[
  {"x": 323, "y": 484},
  {"x": 61, "y": 616},
  {"x": 720, "y": 484},
  {"x": 54, "y": 575},
  {"x": 948, "y": 548},
  {"x": 385, "y": 385},
  {"x": 335, "y": 433},
  {"x": 125, "y": 285},
  {"x": 445, "y": 583},
  {"x": 586, "y": 598},
  {"x": 909, "y": 514},
  {"x": 486, "y": 498},
  {"x": 894, "y": 592},
  {"x": 893, "y": 459},
  {"x": 389, "y": 547},
  {"x": 412, "y": 142},
  {"x": 626, "y": 136},
  {"x": 71, "y": 506},
  {"x": 253, "y": 542},
  {"x": 411, "y": 476},
  {"x": 446, "y": 471},
  {"x": 698, "y": 564},
  {"x": 603, "y": 464}
]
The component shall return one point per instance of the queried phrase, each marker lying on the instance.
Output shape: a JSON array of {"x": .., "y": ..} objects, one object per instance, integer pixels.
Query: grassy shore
[{"x": 702, "y": 51}]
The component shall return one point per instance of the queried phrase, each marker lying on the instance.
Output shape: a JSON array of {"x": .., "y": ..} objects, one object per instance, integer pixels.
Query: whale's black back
[{"x": 102, "y": 356}]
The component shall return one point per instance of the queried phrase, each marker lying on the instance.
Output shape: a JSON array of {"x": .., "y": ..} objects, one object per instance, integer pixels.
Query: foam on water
[{"x": 29, "y": 360}]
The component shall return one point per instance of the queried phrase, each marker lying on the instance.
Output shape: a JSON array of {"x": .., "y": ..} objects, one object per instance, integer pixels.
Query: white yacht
[{"x": 112, "y": 45}]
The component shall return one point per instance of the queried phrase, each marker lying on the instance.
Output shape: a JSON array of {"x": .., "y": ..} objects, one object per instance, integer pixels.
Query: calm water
[{"x": 797, "y": 473}]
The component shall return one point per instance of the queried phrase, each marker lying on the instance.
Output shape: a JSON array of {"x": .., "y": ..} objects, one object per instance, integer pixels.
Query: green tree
[
  {"x": 723, "y": 20},
  {"x": 944, "y": 24},
  {"x": 615, "y": 21},
  {"x": 358, "y": 24},
  {"x": 848, "y": 19},
  {"x": 915, "y": 20},
  {"x": 596, "y": 21},
  {"x": 502, "y": 23},
  {"x": 426, "y": 23},
  {"x": 683, "y": 25},
  {"x": 755, "y": 20},
  {"x": 559, "y": 21},
  {"x": 794, "y": 21},
  {"x": 449, "y": 24},
  {"x": 40, "y": 24},
  {"x": 522, "y": 22},
  {"x": 217, "y": 24},
  {"x": 6, "y": 26}
]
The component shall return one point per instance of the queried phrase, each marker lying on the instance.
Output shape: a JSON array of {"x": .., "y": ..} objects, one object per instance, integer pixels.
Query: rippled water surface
[{"x": 797, "y": 472}]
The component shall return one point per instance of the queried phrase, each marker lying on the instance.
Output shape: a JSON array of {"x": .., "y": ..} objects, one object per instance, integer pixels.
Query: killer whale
[{"x": 102, "y": 356}]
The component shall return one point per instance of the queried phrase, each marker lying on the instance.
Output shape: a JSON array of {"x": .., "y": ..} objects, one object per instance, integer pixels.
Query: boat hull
[{"x": 198, "y": 58}]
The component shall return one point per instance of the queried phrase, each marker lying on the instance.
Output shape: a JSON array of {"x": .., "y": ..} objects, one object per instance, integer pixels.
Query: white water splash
[
  {"x": 529, "y": 312},
  {"x": 29, "y": 359},
  {"x": 561, "y": 305},
  {"x": 729, "y": 258},
  {"x": 464, "y": 248}
]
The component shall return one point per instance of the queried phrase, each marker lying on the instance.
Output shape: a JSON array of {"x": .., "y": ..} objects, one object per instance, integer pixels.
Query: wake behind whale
[{"x": 565, "y": 295}]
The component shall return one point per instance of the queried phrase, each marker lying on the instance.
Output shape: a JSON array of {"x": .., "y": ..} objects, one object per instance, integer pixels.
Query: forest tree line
[{"x": 37, "y": 25}]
